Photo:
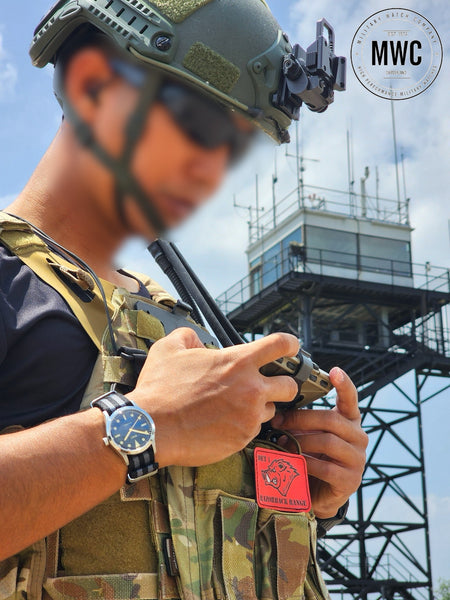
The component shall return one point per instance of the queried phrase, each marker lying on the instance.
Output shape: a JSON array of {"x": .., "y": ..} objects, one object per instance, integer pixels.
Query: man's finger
[
  {"x": 280, "y": 389},
  {"x": 182, "y": 338},
  {"x": 347, "y": 396},
  {"x": 333, "y": 447},
  {"x": 307, "y": 422},
  {"x": 275, "y": 345},
  {"x": 327, "y": 471}
]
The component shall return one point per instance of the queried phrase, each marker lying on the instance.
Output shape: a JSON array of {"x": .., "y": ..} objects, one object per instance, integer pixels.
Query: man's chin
[
  {"x": 173, "y": 218},
  {"x": 174, "y": 211},
  {"x": 171, "y": 214}
]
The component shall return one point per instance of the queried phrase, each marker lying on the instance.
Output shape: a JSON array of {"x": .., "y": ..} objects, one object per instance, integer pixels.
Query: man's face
[{"x": 176, "y": 173}]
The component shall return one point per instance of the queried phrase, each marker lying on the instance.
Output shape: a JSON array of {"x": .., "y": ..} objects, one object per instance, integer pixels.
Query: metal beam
[{"x": 325, "y": 302}]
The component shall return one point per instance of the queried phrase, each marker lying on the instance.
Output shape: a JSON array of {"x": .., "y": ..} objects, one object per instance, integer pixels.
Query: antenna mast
[
  {"x": 274, "y": 200},
  {"x": 351, "y": 179},
  {"x": 396, "y": 161}
]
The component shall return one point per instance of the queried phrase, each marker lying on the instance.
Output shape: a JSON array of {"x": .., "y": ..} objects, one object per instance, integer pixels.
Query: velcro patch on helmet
[
  {"x": 212, "y": 67},
  {"x": 179, "y": 10}
]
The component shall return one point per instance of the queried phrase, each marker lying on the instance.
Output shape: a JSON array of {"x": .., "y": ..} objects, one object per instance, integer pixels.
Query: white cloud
[
  {"x": 8, "y": 74},
  {"x": 216, "y": 239}
]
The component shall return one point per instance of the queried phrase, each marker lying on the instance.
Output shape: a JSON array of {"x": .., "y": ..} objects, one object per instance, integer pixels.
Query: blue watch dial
[{"x": 131, "y": 430}]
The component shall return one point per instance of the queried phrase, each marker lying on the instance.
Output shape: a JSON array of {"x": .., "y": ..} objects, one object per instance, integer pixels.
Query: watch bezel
[{"x": 124, "y": 409}]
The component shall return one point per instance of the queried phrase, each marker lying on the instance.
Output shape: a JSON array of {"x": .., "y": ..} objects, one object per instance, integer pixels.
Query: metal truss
[
  {"x": 393, "y": 344},
  {"x": 383, "y": 549}
]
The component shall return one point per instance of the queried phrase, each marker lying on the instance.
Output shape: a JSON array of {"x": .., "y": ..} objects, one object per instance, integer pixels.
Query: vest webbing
[
  {"x": 22, "y": 241},
  {"x": 210, "y": 539}
]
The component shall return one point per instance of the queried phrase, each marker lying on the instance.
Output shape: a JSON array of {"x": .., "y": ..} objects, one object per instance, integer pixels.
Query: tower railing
[
  {"x": 319, "y": 261},
  {"x": 324, "y": 199}
]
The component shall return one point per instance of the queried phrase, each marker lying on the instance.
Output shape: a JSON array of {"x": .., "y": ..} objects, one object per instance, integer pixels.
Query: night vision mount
[{"x": 311, "y": 76}]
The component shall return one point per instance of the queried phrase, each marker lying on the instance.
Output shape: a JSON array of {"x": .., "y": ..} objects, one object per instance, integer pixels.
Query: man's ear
[{"x": 87, "y": 74}]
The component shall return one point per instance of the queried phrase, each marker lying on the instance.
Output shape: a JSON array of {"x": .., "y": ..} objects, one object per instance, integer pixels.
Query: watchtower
[{"x": 335, "y": 269}]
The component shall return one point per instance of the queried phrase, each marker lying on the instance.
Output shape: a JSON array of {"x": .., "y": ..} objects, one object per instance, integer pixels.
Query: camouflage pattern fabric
[
  {"x": 21, "y": 576},
  {"x": 137, "y": 586},
  {"x": 190, "y": 534},
  {"x": 229, "y": 548}
]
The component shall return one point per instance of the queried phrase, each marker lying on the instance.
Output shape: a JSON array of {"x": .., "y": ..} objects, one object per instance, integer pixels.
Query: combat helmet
[{"x": 233, "y": 50}]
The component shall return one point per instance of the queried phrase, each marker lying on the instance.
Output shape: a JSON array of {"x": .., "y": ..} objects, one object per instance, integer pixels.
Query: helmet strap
[{"x": 126, "y": 183}]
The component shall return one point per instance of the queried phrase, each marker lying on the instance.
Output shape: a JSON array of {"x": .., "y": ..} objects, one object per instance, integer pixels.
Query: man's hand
[
  {"x": 208, "y": 404},
  {"x": 333, "y": 444}
]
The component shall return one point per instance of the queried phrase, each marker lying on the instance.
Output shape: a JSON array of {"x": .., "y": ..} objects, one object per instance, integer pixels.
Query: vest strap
[
  {"x": 51, "y": 569},
  {"x": 21, "y": 240},
  {"x": 131, "y": 586}
]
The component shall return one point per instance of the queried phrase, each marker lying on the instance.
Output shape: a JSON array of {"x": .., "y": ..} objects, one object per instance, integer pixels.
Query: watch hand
[
  {"x": 130, "y": 430},
  {"x": 139, "y": 431}
]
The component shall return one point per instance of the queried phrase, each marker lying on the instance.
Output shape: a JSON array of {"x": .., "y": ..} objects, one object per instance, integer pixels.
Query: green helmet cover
[{"x": 230, "y": 50}]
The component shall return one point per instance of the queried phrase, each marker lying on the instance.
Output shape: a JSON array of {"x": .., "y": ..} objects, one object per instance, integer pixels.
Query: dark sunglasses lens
[{"x": 206, "y": 123}]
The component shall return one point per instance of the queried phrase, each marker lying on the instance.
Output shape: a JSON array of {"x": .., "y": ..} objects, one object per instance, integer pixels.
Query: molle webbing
[
  {"x": 212, "y": 67},
  {"x": 73, "y": 284},
  {"x": 179, "y": 10},
  {"x": 20, "y": 239},
  {"x": 227, "y": 547},
  {"x": 199, "y": 532}
]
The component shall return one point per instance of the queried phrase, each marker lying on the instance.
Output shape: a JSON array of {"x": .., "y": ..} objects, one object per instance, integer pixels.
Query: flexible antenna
[{"x": 164, "y": 252}]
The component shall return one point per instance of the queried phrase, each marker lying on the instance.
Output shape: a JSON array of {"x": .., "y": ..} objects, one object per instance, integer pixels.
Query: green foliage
[{"x": 443, "y": 590}]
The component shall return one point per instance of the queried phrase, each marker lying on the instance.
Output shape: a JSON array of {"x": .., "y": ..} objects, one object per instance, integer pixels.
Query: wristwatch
[{"x": 130, "y": 431}]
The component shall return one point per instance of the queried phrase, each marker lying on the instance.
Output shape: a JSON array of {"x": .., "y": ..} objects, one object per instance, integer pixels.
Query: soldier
[{"x": 159, "y": 98}]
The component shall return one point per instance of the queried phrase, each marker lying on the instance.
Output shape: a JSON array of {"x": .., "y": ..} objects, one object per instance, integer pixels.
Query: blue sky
[{"x": 216, "y": 240}]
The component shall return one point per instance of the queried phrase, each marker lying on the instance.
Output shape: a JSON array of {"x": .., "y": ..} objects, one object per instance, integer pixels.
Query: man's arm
[
  {"x": 52, "y": 474},
  {"x": 206, "y": 404},
  {"x": 334, "y": 446}
]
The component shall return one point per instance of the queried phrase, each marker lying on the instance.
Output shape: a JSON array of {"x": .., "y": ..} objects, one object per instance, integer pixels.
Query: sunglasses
[{"x": 204, "y": 121}]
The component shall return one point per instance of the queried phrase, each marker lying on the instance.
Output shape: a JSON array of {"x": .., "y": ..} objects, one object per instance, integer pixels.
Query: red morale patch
[{"x": 281, "y": 481}]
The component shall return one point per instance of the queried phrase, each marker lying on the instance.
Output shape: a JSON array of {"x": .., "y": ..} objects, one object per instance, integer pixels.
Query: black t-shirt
[{"x": 46, "y": 357}]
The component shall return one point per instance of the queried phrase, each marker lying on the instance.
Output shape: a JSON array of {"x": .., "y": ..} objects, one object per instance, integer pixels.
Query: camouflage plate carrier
[{"x": 186, "y": 533}]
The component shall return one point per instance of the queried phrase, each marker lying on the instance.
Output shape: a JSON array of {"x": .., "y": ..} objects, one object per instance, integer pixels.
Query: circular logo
[{"x": 396, "y": 53}]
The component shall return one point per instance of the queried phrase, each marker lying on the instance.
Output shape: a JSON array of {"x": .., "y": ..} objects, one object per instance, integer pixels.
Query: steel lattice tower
[{"x": 338, "y": 274}]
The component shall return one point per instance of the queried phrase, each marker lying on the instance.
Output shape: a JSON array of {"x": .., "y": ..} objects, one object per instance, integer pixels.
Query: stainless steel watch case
[
  {"x": 140, "y": 462},
  {"x": 109, "y": 440}
]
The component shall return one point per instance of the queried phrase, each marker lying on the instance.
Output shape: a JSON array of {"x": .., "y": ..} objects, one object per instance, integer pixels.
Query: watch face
[{"x": 130, "y": 430}]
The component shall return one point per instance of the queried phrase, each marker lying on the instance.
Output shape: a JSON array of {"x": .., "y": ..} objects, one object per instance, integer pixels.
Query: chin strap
[{"x": 125, "y": 182}]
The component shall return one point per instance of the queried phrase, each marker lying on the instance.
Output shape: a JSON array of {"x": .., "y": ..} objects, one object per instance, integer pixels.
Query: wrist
[
  {"x": 109, "y": 461},
  {"x": 328, "y": 510},
  {"x": 165, "y": 440},
  {"x": 130, "y": 432},
  {"x": 324, "y": 525}
]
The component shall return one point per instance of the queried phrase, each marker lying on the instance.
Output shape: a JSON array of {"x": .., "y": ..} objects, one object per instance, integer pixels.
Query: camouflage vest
[{"x": 186, "y": 533}]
